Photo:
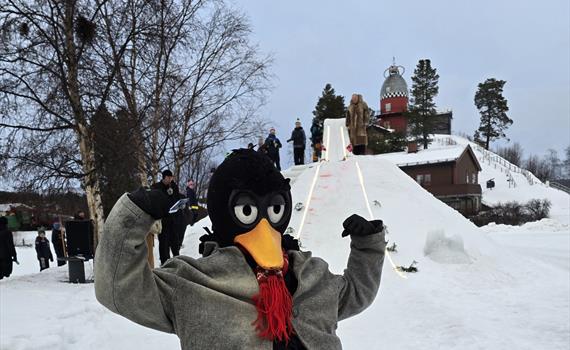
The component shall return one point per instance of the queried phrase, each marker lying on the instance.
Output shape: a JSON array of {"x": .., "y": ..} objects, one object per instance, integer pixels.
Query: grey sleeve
[
  {"x": 361, "y": 278},
  {"x": 124, "y": 282}
]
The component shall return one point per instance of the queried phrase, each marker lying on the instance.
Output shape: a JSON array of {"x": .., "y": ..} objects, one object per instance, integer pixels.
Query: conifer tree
[
  {"x": 329, "y": 105},
  {"x": 422, "y": 108},
  {"x": 493, "y": 108}
]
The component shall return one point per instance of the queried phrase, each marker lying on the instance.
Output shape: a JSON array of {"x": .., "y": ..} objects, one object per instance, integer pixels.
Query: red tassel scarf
[{"x": 274, "y": 304}]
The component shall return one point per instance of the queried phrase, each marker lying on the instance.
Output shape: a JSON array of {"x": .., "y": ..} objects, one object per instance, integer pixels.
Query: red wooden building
[{"x": 450, "y": 174}]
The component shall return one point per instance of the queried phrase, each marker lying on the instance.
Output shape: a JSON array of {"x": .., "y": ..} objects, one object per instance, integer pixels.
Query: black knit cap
[
  {"x": 166, "y": 173},
  {"x": 243, "y": 169}
]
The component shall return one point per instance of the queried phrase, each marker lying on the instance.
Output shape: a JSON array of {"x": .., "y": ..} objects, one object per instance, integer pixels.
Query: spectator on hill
[
  {"x": 299, "y": 140},
  {"x": 273, "y": 145},
  {"x": 357, "y": 117}
]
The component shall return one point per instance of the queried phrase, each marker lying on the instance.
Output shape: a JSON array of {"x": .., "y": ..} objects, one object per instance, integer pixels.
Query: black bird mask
[{"x": 249, "y": 204}]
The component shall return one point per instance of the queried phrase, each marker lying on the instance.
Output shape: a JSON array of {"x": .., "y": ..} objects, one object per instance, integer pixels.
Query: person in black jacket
[
  {"x": 58, "y": 241},
  {"x": 299, "y": 140},
  {"x": 7, "y": 250},
  {"x": 272, "y": 144},
  {"x": 169, "y": 237},
  {"x": 42, "y": 249},
  {"x": 192, "y": 202},
  {"x": 317, "y": 139}
]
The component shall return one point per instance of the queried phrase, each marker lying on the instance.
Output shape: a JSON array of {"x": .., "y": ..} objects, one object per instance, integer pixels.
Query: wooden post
[{"x": 150, "y": 246}]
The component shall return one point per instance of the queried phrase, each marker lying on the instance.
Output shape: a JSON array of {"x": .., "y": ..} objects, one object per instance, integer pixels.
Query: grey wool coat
[{"x": 207, "y": 302}]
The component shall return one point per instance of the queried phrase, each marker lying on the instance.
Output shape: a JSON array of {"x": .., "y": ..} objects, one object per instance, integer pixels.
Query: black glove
[
  {"x": 356, "y": 225},
  {"x": 289, "y": 243},
  {"x": 208, "y": 237},
  {"x": 154, "y": 202}
]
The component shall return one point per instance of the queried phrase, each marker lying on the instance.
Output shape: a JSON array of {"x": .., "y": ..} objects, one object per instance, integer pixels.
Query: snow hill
[{"x": 475, "y": 289}]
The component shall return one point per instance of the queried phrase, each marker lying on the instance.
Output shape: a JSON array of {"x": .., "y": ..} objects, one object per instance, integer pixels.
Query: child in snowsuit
[{"x": 43, "y": 250}]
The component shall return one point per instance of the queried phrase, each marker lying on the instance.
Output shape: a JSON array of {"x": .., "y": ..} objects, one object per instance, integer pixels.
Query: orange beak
[{"x": 263, "y": 243}]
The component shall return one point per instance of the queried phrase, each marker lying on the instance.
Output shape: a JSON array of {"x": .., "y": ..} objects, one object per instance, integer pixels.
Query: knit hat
[{"x": 166, "y": 173}]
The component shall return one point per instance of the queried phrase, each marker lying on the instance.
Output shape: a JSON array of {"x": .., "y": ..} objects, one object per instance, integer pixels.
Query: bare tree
[
  {"x": 48, "y": 90},
  {"x": 190, "y": 75},
  {"x": 513, "y": 153},
  {"x": 566, "y": 163},
  {"x": 182, "y": 74},
  {"x": 541, "y": 168},
  {"x": 554, "y": 163}
]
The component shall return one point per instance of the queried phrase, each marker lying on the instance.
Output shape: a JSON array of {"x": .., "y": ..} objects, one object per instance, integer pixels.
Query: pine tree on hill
[
  {"x": 493, "y": 108},
  {"x": 329, "y": 105},
  {"x": 422, "y": 108}
]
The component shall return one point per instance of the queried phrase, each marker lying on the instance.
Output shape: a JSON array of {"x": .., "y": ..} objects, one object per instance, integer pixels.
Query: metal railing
[{"x": 560, "y": 187}]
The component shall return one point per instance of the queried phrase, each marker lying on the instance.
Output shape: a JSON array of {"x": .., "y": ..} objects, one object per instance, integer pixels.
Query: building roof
[
  {"x": 430, "y": 156},
  {"x": 381, "y": 128},
  {"x": 394, "y": 85},
  {"x": 7, "y": 206}
]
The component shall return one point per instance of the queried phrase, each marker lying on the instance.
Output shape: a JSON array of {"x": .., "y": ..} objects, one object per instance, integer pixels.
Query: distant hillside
[{"x": 65, "y": 204}]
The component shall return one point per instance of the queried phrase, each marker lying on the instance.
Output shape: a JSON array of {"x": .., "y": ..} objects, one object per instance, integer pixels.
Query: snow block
[{"x": 445, "y": 249}]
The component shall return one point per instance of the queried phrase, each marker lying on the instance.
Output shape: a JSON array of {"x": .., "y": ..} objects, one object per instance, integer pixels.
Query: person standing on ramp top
[
  {"x": 356, "y": 121},
  {"x": 273, "y": 145},
  {"x": 299, "y": 140}
]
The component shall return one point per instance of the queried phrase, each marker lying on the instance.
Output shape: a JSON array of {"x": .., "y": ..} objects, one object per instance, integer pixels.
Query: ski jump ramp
[{"x": 335, "y": 140}]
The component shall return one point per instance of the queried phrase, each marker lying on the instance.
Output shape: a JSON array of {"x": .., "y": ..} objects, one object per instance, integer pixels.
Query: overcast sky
[{"x": 350, "y": 43}]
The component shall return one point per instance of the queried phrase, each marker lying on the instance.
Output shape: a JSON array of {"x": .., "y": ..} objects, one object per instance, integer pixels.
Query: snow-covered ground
[{"x": 496, "y": 287}]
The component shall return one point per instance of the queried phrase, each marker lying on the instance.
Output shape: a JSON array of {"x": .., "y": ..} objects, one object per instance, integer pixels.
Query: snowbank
[{"x": 445, "y": 249}]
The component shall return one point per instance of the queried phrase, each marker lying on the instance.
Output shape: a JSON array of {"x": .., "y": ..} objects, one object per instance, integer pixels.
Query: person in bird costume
[{"x": 253, "y": 288}]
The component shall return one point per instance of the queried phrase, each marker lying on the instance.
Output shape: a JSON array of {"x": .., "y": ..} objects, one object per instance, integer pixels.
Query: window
[
  {"x": 466, "y": 177},
  {"x": 419, "y": 179},
  {"x": 423, "y": 179},
  {"x": 388, "y": 107},
  {"x": 387, "y": 125},
  {"x": 474, "y": 178}
]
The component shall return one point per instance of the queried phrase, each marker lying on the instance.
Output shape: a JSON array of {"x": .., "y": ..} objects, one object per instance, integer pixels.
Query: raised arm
[
  {"x": 361, "y": 278},
  {"x": 124, "y": 282}
]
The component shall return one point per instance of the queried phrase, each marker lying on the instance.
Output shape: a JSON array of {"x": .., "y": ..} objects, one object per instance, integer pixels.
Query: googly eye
[
  {"x": 276, "y": 209},
  {"x": 246, "y": 213},
  {"x": 275, "y": 212}
]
